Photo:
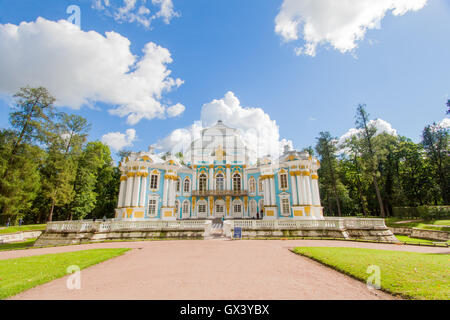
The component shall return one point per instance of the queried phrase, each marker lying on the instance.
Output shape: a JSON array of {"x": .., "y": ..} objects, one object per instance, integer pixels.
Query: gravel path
[{"x": 210, "y": 270}]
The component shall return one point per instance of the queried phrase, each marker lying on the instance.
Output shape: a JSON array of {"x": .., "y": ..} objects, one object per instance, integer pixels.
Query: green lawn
[
  {"x": 17, "y": 245},
  {"x": 17, "y": 275},
  {"x": 421, "y": 224},
  {"x": 416, "y": 240},
  {"x": 30, "y": 227},
  {"x": 409, "y": 274}
]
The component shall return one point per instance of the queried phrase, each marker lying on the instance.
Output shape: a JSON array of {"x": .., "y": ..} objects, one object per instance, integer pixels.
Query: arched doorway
[{"x": 219, "y": 209}]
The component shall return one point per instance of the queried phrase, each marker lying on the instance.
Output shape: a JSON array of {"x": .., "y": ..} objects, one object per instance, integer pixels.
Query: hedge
[{"x": 423, "y": 212}]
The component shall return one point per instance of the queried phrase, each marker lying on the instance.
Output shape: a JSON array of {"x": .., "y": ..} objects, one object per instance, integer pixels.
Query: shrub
[{"x": 422, "y": 212}]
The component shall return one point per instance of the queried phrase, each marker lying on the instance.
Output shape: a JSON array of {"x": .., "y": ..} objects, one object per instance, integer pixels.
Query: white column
[
  {"x": 228, "y": 179},
  {"x": 136, "y": 193},
  {"x": 211, "y": 179},
  {"x": 129, "y": 191},
  {"x": 308, "y": 190},
  {"x": 266, "y": 192},
  {"x": 194, "y": 181},
  {"x": 171, "y": 193},
  {"x": 166, "y": 190},
  {"x": 315, "y": 192},
  {"x": 272, "y": 191},
  {"x": 121, "y": 193},
  {"x": 143, "y": 191},
  {"x": 245, "y": 180},
  {"x": 294, "y": 190},
  {"x": 300, "y": 189}
]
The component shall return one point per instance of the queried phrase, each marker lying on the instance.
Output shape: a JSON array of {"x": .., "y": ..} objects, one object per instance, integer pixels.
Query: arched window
[
  {"x": 154, "y": 181},
  {"x": 252, "y": 185},
  {"x": 202, "y": 209},
  {"x": 220, "y": 182},
  {"x": 153, "y": 206},
  {"x": 187, "y": 185},
  {"x": 178, "y": 184},
  {"x": 185, "y": 209},
  {"x": 202, "y": 182},
  {"x": 283, "y": 180},
  {"x": 177, "y": 206},
  {"x": 237, "y": 182}
]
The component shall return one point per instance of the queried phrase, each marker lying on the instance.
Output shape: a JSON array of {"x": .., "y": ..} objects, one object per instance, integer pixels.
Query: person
[
  {"x": 104, "y": 218},
  {"x": 261, "y": 215},
  {"x": 8, "y": 223},
  {"x": 20, "y": 222},
  {"x": 257, "y": 215}
]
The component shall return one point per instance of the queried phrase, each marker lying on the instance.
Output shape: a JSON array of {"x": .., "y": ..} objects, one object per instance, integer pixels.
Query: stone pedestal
[
  {"x": 270, "y": 212},
  {"x": 168, "y": 214}
]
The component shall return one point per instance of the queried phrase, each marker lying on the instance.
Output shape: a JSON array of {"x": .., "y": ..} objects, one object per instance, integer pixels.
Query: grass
[
  {"x": 408, "y": 274},
  {"x": 416, "y": 240},
  {"x": 17, "y": 245},
  {"x": 20, "y": 274},
  {"x": 30, "y": 227},
  {"x": 421, "y": 224}
]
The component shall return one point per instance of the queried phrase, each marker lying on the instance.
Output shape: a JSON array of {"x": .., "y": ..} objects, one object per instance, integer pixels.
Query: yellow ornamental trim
[
  {"x": 123, "y": 178},
  {"x": 145, "y": 174},
  {"x": 131, "y": 174},
  {"x": 306, "y": 173},
  {"x": 314, "y": 177},
  {"x": 211, "y": 166},
  {"x": 228, "y": 166}
]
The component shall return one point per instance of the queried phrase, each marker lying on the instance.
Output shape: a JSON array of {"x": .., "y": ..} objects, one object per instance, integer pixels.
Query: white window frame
[
  {"x": 284, "y": 198},
  {"x": 235, "y": 175},
  {"x": 222, "y": 176},
  {"x": 200, "y": 177},
  {"x": 187, "y": 180},
  {"x": 252, "y": 182},
  {"x": 260, "y": 186},
  {"x": 280, "y": 174},
  {"x": 157, "y": 175},
  {"x": 156, "y": 200},
  {"x": 184, "y": 214}
]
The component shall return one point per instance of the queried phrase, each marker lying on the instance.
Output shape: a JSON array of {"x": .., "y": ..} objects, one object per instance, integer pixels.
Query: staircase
[{"x": 216, "y": 231}]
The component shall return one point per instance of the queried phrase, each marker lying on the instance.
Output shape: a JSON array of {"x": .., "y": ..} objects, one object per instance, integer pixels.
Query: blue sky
[{"x": 400, "y": 70}]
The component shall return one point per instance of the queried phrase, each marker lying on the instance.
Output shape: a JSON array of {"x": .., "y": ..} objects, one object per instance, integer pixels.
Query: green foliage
[
  {"x": 423, "y": 212},
  {"x": 409, "y": 274},
  {"x": 20, "y": 274},
  {"x": 48, "y": 169}
]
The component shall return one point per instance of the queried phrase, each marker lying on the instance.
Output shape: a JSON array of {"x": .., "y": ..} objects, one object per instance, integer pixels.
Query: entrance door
[{"x": 219, "y": 210}]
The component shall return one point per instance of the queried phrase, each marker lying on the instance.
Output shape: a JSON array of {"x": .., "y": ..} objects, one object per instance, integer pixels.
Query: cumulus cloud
[
  {"x": 117, "y": 141},
  {"x": 444, "y": 123},
  {"x": 80, "y": 68},
  {"x": 381, "y": 126},
  {"x": 258, "y": 130},
  {"x": 137, "y": 10},
  {"x": 338, "y": 23}
]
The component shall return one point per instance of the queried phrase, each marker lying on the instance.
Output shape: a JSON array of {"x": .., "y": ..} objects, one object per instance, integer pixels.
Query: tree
[
  {"x": 368, "y": 132},
  {"x": 435, "y": 143},
  {"x": 30, "y": 121},
  {"x": 61, "y": 165},
  {"x": 326, "y": 149}
]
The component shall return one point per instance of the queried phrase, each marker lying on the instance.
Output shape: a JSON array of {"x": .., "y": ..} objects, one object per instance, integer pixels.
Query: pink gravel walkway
[{"x": 210, "y": 270}]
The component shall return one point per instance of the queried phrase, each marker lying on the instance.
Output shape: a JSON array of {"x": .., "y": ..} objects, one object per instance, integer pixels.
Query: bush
[{"x": 422, "y": 212}]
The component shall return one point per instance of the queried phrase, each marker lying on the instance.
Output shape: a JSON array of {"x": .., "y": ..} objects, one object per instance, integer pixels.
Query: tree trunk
[
  {"x": 380, "y": 200},
  {"x": 50, "y": 216}
]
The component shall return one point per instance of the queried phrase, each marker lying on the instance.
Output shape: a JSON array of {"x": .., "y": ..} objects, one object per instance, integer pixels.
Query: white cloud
[
  {"x": 117, "y": 141},
  {"x": 175, "y": 110},
  {"x": 381, "y": 126},
  {"x": 80, "y": 68},
  {"x": 137, "y": 10},
  {"x": 257, "y": 129},
  {"x": 340, "y": 23}
]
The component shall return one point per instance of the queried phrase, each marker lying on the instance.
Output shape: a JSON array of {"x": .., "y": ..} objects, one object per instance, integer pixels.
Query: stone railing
[
  {"x": 114, "y": 226},
  {"x": 327, "y": 223}
]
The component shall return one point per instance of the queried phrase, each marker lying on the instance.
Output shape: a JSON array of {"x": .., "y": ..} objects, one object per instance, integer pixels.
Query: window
[
  {"x": 283, "y": 181},
  {"x": 152, "y": 203},
  {"x": 219, "y": 208},
  {"x": 177, "y": 206},
  {"x": 178, "y": 185},
  {"x": 237, "y": 208},
  {"x": 154, "y": 181},
  {"x": 236, "y": 182},
  {"x": 202, "y": 208},
  {"x": 261, "y": 188},
  {"x": 285, "y": 207},
  {"x": 187, "y": 185},
  {"x": 202, "y": 182},
  {"x": 220, "y": 182},
  {"x": 186, "y": 206},
  {"x": 252, "y": 185}
]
